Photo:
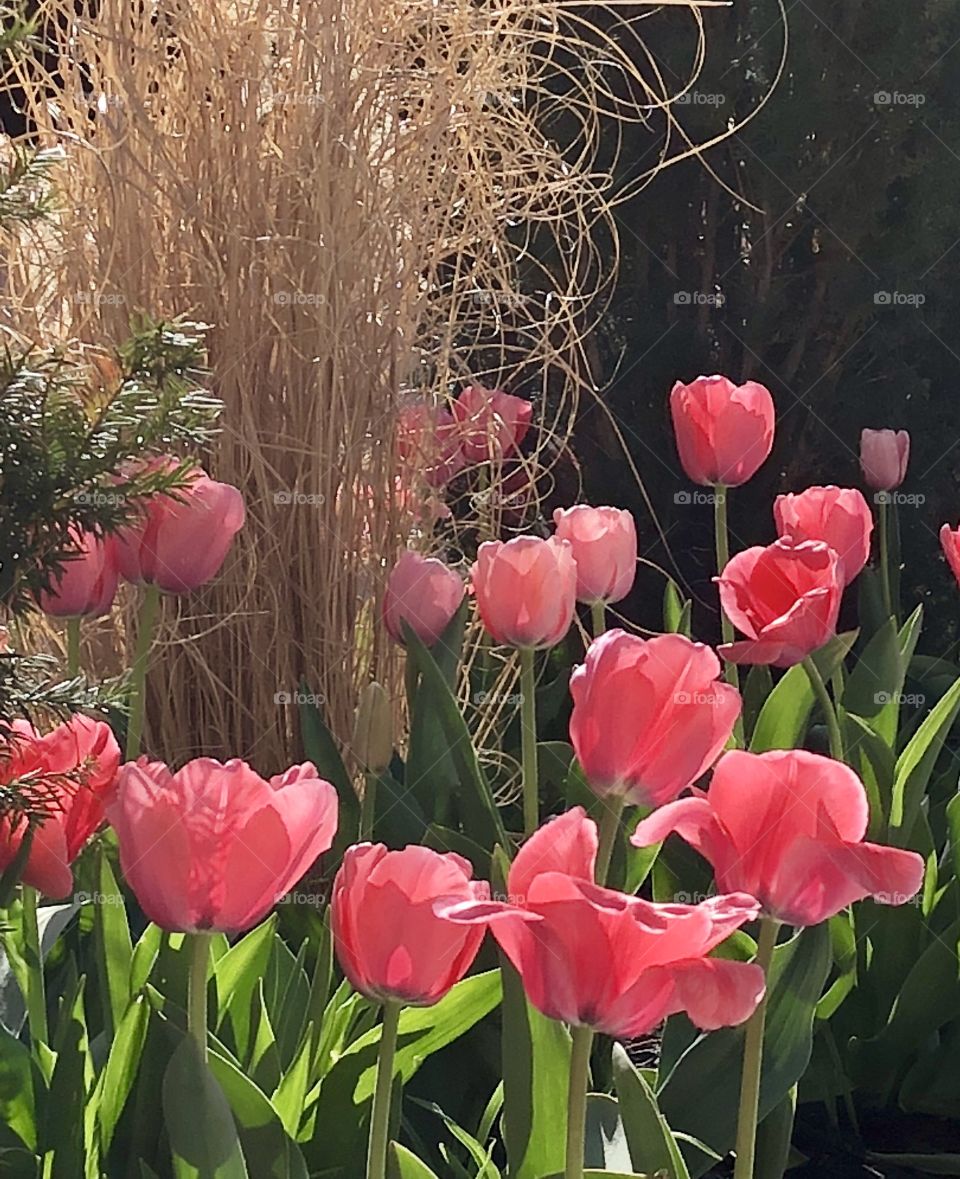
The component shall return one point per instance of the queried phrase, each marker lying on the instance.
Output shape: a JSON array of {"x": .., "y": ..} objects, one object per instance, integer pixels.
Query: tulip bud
[
  {"x": 883, "y": 457},
  {"x": 373, "y": 728},
  {"x": 724, "y": 431}
]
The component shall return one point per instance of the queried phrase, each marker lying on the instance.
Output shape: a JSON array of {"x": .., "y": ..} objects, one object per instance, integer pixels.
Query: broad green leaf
[
  {"x": 289, "y": 1098},
  {"x": 915, "y": 764},
  {"x": 114, "y": 947},
  {"x": 773, "y": 1139},
  {"x": 65, "y": 1140},
  {"x": 203, "y": 1135},
  {"x": 756, "y": 689},
  {"x": 877, "y": 676},
  {"x": 320, "y": 748},
  {"x": 886, "y": 723},
  {"x": 236, "y": 976},
  {"x": 652, "y": 1144},
  {"x": 116, "y": 1081},
  {"x": 783, "y": 719},
  {"x": 605, "y": 1144},
  {"x": 286, "y": 992},
  {"x": 403, "y": 1164},
  {"x": 145, "y": 954},
  {"x": 17, "y": 1090},
  {"x": 676, "y": 611}
]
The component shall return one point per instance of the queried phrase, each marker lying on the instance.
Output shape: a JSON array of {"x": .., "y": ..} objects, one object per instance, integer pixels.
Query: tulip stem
[
  {"x": 411, "y": 676},
  {"x": 598, "y": 617},
  {"x": 368, "y": 805},
  {"x": 73, "y": 647},
  {"x": 826, "y": 707},
  {"x": 380, "y": 1114},
  {"x": 884, "y": 510},
  {"x": 528, "y": 742},
  {"x": 609, "y": 826},
  {"x": 722, "y": 537},
  {"x": 197, "y": 991},
  {"x": 753, "y": 1059},
  {"x": 36, "y": 992},
  {"x": 138, "y": 680},
  {"x": 582, "y": 1038}
]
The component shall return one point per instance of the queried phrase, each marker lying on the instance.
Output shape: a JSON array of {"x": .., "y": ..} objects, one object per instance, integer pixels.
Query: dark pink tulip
[
  {"x": 594, "y": 957},
  {"x": 785, "y": 598},
  {"x": 423, "y": 593},
  {"x": 428, "y": 436},
  {"x": 950, "y": 543},
  {"x": 724, "y": 431},
  {"x": 215, "y": 846},
  {"x": 839, "y": 516},
  {"x": 787, "y": 827},
  {"x": 526, "y": 590},
  {"x": 883, "y": 456},
  {"x": 604, "y": 543},
  {"x": 391, "y": 935},
  {"x": 492, "y": 423},
  {"x": 184, "y": 537},
  {"x": 87, "y": 583},
  {"x": 649, "y": 715}
]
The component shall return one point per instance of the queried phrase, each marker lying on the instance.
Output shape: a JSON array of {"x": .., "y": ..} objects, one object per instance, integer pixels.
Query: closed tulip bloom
[
  {"x": 950, "y": 543},
  {"x": 597, "y": 958},
  {"x": 390, "y": 932},
  {"x": 787, "y": 827},
  {"x": 649, "y": 715},
  {"x": 87, "y": 583},
  {"x": 492, "y": 423},
  {"x": 884, "y": 455},
  {"x": 214, "y": 846},
  {"x": 604, "y": 543},
  {"x": 71, "y": 770},
  {"x": 785, "y": 598},
  {"x": 526, "y": 590},
  {"x": 183, "y": 537},
  {"x": 724, "y": 431},
  {"x": 839, "y": 516},
  {"x": 429, "y": 437},
  {"x": 423, "y": 593}
]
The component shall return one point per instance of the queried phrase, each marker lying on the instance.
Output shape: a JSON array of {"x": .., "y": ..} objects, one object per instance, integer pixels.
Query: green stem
[
  {"x": 598, "y": 617},
  {"x": 577, "y": 1101},
  {"x": 197, "y": 991},
  {"x": 528, "y": 734},
  {"x": 826, "y": 707},
  {"x": 884, "y": 509},
  {"x": 753, "y": 1060},
  {"x": 138, "y": 681},
  {"x": 609, "y": 826},
  {"x": 380, "y": 1114},
  {"x": 73, "y": 647},
  {"x": 410, "y": 678},
  {"x": 722, "y": 539},
  {"x": 368, "y": 806},
  {"x": 36, "y": 993}
]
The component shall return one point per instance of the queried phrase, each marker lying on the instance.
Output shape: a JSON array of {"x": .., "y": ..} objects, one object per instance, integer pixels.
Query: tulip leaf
[
  {"x": 699, "y": 1096},
  {"x": 236, "y": 976},
  {"x": 756, "y": 689},
  {"x": 116, "y": 1081},
  {"x": 877, "y": 676},
  {"x": 320, "y": 748},
  {"x": 17, "y": 1089},
  {"x": 405, "y": 1165},
  {"x": 886, "y": 721},
  {"x": 203, "y": 1135},
  {"x": 64, "y": 1138},
  {"x": 676, "y": 610},
  {"x": 915, "y": 764},
  {"x": 114, "y": 947},
  {"x": 481, "y": 818},
  {"x": 652, "y": 1144},
  {"x": 773, "y": 1138}
]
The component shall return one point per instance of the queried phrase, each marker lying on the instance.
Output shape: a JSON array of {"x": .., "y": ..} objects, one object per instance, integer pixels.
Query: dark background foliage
[{"x": 831, "y": 281}]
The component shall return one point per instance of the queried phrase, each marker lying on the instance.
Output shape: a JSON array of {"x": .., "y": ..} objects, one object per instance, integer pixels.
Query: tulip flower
[
  {"x": 840, "y": 517},
  {"x": 214, "y": 846},
  {"x": 785, "y": 598},
  {"x": 724, "y": 431},
  {"x": 950, "y": 543},
  {"x": 787, "y": 827},
  {"x": 183, "y": 537},
  {"x": 429, "y": 436},
  {"x": 492, "y": 423},
  {"x": 604, "y": 544},
  {"x": 649, "y": 715},
  {"x": 423, "y": 593},
  {"x": 70, "y": 770},
  {"x": 883, "y": 456},
  {"x": 87, "y": 583}
]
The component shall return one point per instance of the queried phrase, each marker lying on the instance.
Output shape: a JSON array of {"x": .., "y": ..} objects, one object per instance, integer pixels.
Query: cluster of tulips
[{"x": 213, "y": 847}]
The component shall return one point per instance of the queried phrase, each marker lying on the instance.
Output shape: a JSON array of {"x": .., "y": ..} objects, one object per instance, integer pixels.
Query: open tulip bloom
[
  {"x": 839, "y": 516},
  {"x": 724, "y": 431}
]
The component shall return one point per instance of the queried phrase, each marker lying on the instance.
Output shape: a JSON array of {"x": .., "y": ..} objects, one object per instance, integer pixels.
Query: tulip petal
[
  {"x": 567, "y": 843},
  {"x": 716, "y": 993}
]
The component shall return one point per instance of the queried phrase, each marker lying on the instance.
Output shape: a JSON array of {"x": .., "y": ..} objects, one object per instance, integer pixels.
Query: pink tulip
[
  {"x": 391, "y": 936},
  {"x": 649, "y": 715},
  {"x": 183, "y": 537},
  {"x": 423, "y": 593},
  {"x": 526, "y": 590},
  {"x": 724, "y": 431},
  {"x": 214, "y": 846},
  {"x": 883, "y": 456},
  {"x": 428, "y": 436},
  {"x": 840, "y": 517},
  {"x": 785, "y": 598},
  {"x": 70, "y": 771},
  {"x": 492, "y": 423},
  {"x": 604, "y": 543},
  {"x": 594, "y": 957},
  {"x": 87, "y": 582},
  {"x": 950, "y": 543},
  {"x": 787, "y": 827}
]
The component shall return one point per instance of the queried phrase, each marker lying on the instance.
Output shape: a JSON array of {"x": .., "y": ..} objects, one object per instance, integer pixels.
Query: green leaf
[
  {"x": 676, "y": 611},
  {"x": 877, "y": 677},
  {"x": 320, "y": 748},
  {"x": 605, "y": 1143},
  {"x": 116, "y": 1081},
  {"x": 915, "y": 764},
  {"x": 236, "y": 976},
  {"x": 203, "y": 1135},
  {"x": 114, "y": 947},
  {"x": 289, "y": 1099},
  {"x": 773, "y": 1139},
  {"x": 888, "y": 720},
  {"x": 652, "y": 1144},
  {"x": 405, "y": 1165},
  {"x": 756, "y": 689},
  {"x": 782, "y": 722},
  {"x": 145, "y": 954},
  {"x": 17, "y": 1089},
  {"x": 65, "y": 1141}
]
